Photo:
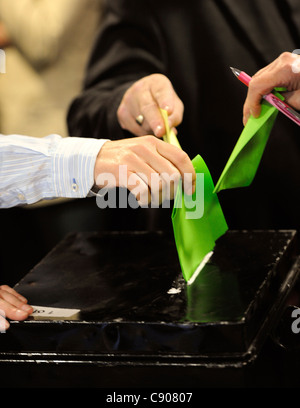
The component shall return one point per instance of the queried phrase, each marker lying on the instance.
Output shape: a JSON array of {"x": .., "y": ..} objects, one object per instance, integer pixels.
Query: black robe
[{"x": 194, "y": 43}]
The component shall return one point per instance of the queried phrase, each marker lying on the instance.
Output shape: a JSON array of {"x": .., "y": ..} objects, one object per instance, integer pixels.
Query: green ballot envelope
[
  {"x": 244, "y": 160},
  {"x": 196, "y": 231},
  {"x": 198, "y": 220}
]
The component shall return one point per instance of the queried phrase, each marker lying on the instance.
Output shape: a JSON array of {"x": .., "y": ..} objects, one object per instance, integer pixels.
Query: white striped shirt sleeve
[{"x": 32, "y": 169}]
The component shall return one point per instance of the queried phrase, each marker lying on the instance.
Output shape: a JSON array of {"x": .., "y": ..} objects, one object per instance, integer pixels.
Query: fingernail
[
  {"x": 245, "y": 119},
  {"x": 26, "y": 308},
  {"x": 158, "y": 131},
  {"x": 21, "y": 313}
]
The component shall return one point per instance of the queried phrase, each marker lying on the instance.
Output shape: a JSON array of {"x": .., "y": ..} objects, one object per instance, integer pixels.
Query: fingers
[
  {"x": 164, "y": 97},
  {"x": 181, "y": 162},
  {"x": 282, "y": 72},
  {"x": 293, "y": 98},
  {"x": 260, "y": 85},
  {"x": 13, "y": 305},
  {"x": 12, "y": 291},
  {"x": 146, "y": 97},
  {"x": 147, "y": 166}
]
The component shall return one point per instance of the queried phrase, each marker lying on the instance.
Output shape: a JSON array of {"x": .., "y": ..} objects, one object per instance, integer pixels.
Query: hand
[
  {"x": 146, "y": 97},
  {"x": 283, "y": 72},
  {"x": 13, "y": 306},
  {"x": 149, "y": 163}
]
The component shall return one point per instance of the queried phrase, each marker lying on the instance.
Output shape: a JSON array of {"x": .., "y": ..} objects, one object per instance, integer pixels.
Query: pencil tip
[{"x": 235, "y": 71}]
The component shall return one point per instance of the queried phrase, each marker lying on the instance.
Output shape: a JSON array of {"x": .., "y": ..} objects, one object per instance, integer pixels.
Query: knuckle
[
  {"x": 183, "y": 157},
  {"x": 149, "y": 140},
  {"x": 176, "y": 177},
  {"x": 285, "y": 56},
  {"x": 138, "y": 86},
  {"x": 181, "y": 105},
  {"x": 139, "y": 149},
  {"x": 286, "y": 60},
  {"x": 127, "y": 98},
  {"x": 128, "y": 156},
  {"x": 254, "y": 78},
  {"x": 254, "y": 85},
  {"x": 159, "y": 85},
  {"x": 158, "y": 77},
  {"x": 147, "y": 105},
  {"x": 121, "y": 114}
]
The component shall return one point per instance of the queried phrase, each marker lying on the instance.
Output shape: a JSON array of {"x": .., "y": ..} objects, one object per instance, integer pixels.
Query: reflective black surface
[{"x": 134, "y": 301}]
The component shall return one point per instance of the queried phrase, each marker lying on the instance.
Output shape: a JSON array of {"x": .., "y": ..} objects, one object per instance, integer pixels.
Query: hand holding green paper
[
  {"x": 195, "y": 238},
  {"x": 244, "y": 160},
  {"x": 243, "y": 163}
]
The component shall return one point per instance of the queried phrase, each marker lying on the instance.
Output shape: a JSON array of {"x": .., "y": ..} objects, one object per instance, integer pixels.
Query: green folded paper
[
  {"x": 198, "y": 221},
  {"x": 244, "y": 160},
  {"x": 195, "y": 236}
]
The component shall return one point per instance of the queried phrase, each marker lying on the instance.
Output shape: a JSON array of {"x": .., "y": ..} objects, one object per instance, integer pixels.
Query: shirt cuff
[{"x": 73, "y": 164}]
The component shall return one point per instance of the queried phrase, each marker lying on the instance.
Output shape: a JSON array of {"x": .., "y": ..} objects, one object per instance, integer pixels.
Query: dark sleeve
[{"x": 128, "y": 47}]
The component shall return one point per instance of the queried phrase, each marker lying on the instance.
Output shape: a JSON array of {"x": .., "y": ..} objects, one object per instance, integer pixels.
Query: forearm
[{"x": 33, "y": 169}]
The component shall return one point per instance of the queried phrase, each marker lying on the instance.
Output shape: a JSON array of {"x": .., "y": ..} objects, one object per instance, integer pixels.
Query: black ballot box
[{"x": 139, "y": 324}]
